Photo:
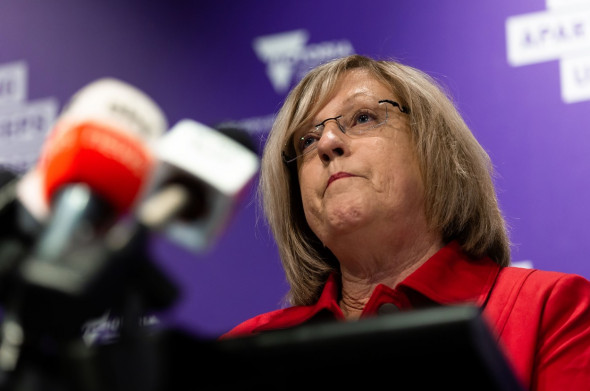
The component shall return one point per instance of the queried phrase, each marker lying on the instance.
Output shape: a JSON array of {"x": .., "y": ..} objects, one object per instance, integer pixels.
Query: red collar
[{"x": 449, "y": 277}]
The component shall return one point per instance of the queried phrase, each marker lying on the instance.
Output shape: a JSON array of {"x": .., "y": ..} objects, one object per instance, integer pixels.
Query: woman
[{"x": 379, "y": 197}]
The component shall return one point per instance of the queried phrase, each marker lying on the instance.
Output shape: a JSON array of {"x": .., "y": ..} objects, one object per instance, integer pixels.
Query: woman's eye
[
  {"x": 307, "y": 140},
  {"x": 363, "y": 117}
]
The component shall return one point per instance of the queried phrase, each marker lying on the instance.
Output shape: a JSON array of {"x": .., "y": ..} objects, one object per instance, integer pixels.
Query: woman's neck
[{"x": 361, "y": 275}]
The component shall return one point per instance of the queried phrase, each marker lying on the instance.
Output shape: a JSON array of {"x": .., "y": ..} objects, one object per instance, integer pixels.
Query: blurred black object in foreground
[{"x": 448, "y": 347}]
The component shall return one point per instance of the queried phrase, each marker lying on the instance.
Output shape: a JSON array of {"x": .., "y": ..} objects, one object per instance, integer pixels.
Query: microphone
[
  {"x": 201, "y": 176},
  {"x": 103, "y": 139},
  {"x": 94, "y": 165},
  {"x": 93, "y": 168}
]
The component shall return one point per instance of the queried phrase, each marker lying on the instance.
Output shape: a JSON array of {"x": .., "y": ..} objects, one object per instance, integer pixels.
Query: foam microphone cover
[
  {"x": 112, "y": 163},
  {"x": 94, "y": 164},
  {"x": 103, "y": 139}
]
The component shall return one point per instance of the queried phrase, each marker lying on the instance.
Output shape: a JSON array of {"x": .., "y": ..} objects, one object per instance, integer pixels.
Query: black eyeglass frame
[{"x": 288, "y": 160}]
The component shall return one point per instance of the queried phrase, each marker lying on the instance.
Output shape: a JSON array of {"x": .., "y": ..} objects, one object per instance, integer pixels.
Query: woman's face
[{"x": 366, "y": 186}]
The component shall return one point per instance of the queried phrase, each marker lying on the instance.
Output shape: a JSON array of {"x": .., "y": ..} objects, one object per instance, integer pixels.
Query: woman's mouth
[{"x": 338, "y": 175}]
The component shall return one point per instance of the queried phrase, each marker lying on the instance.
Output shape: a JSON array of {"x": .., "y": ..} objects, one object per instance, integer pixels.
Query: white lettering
[
  {"x": 575, "y": 78},
  {"x": 22, "y": 131},
  {"x": 106, "y": 328},
  {"x": 545, "y": 36},
  {"x": 562, "y": 33},
  {"x": 13, "y": 83}
]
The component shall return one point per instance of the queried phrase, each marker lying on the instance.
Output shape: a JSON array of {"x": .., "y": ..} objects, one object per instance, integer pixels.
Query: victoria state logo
[
  {"x": 562, "y": 32},
  {"x": 288, "y": 56}
]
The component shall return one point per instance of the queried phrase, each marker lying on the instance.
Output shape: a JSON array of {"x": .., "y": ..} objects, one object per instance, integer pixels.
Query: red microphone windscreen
[{"x": 114, "y": 163}]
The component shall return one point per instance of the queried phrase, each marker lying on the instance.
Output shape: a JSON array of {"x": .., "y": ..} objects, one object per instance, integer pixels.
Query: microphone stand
[{"x": 117, "y": 273}]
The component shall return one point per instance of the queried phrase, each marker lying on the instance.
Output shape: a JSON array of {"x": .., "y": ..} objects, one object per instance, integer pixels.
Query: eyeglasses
[{"x": 360, "y": 120}]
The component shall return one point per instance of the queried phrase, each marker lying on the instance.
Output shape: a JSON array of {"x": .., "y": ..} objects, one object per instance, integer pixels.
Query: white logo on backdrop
[
  {"x": 560, "y": 33},
  {"x": 288, "y": 56},
  {"x": 23, "y": 125}
]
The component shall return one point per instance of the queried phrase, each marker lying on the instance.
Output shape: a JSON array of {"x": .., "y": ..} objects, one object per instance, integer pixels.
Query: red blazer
[{"x": 541, "y": 318}]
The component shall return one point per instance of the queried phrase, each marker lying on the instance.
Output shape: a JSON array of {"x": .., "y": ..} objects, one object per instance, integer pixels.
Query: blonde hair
[{"x": 460, "y": 199}]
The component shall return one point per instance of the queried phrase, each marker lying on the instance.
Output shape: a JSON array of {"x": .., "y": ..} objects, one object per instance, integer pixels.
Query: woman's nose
[{"x": 333, "y": 142}]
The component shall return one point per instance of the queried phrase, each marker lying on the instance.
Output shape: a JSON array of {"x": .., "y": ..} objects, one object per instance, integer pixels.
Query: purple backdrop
[{"x": 518, "y": 71}]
